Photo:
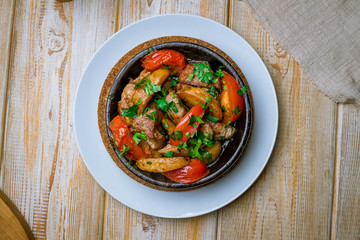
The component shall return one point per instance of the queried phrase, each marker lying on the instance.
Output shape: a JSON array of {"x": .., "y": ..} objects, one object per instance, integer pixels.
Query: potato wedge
[
  {"x": 157, "y": 77},
  {"x": 168, "y": 125},
  {"x": 195, "y": 95},
  {"x": 214, "y": 150},
  {"x": 161, "y": 164},
  {"x": 176, "y": 153}
]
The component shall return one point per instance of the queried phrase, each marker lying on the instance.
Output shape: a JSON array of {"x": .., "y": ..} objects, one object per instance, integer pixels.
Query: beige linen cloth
[{"x": 324, "y": 38}]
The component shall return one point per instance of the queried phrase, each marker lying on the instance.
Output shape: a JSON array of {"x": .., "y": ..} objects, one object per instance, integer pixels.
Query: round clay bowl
[{"x": 129, "y": 66}]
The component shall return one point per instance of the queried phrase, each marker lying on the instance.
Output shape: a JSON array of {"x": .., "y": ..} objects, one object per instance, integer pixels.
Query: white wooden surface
[{"x": 309, "y": 190}]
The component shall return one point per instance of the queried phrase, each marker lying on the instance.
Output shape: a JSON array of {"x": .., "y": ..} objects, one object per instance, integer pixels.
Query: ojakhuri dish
[{"x": 178, "y": 114}]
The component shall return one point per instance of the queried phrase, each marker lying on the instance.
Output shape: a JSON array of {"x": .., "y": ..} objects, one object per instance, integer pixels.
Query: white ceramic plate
[{"x": 176, "y": 204}]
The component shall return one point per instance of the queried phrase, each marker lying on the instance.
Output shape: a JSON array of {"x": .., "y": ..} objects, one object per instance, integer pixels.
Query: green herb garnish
[
  {"x": 212, "y": 92},
  {"x": 125, "y": 149},
  {"x": 237, "y": 110},
  {"x": 203, "y": 72},
  {"x": 138, "y": 136},
  {"x": 152, "y": 116},
  {"x": 179, "y": 134},
  {"x": 139, "y": 83},
  {"x": 191, "y": 76},
  {"x": 166, "y": 65},
  {"x": 131, "y": 111},
  {"x": 182, "y": 145},
  {"x": 173, "y": 82},
  {"x": 210, "y": 118},
  {"x": 173, "y": 107},
  {"x": 169, "y": 154},
  {"x": 162, "y": 104},
  {"x": 219, "y": 73},
  {"x": 194, "y": 120},
  {"x": 151, "y": 88},
  {"x": 242, "y": 90}
]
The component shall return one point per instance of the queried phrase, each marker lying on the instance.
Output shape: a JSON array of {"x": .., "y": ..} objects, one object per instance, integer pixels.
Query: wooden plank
[
  {"x": 346, "y": 206},
  {"x": 292, "y": 198},
  {"x": 6, "y": 23},
  {"x": 120, "y": 221},
  {"x": 12, "y": 223},
  {"x": 42, "y": 171}
]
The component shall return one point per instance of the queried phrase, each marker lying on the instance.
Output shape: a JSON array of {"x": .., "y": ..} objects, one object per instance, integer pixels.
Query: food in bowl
[{"x": 174, "y": 117}]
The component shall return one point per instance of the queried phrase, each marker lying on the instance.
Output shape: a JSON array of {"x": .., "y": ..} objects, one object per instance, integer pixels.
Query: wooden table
[{"x": 309, "y": 189}]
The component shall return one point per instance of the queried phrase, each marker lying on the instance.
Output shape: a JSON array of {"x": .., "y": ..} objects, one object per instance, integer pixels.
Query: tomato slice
[
  {"x": 192, "y": 172},
  {"x": 163, "y": 58},
  {"x": 122, "y": 136},
  {"x": 230, "y": 100},
  {"x": 184, "y": 127}
]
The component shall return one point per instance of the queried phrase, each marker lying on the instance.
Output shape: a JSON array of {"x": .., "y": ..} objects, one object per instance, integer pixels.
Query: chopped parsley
[
  {"x": 194, "y": 150},
  {"x": 173, "y": 82},
  {"x": 173, "y": 107},
  {"x": 152, "y": 116},
  {"x": 124, "y": 151},
  {"x": 166, "y": 65},
  {"x": 203, "y": 72},
  {"x": 179, "y": 134},
  {"x": 139, "y": 83},
  {"x": 237, "y": 110},
  {"x": 194, "y": 120},
  {"x": 149, "y": 50},
  {"x": 138, "y": 136},
  {"x": 208, "y": 100},
  {"x": 219, "y": 73},
  {"x": 145, "y": 110},
  {"x": 149, "y": 87},
  {"x": 242, "y": 90},
  {"x": 182, "y": 145},
  {"x": 165, "y": 124},
  {"x": 211, "y": 118},
  {"x": 148, "y": 162},
  {"x": 223, "y": 108},
  {"x": 191, "y": 76},
  {"x": 111, "y": 96},
  {"x": 207, "y": 155},
  {"x": 162, "y": 104},
  {"x": 131, "y": 111},
  {"x": 169, "y": 154},
  {"x": 212, "y": 92}
]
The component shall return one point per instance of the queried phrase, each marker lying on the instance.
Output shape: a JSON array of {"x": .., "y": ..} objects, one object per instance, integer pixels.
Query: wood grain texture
[
  {"x": 346, "y": 206},
  {"x": 42, "y": 171},
  {"x": 292, "y": 198},
  {"x": 10, "y": 227},
  {"x": 6, "y": 26},
  {"x": 12, "y": 223},
  {"x": 120, "y": 221},
  {"x": 309, "y": 189}
]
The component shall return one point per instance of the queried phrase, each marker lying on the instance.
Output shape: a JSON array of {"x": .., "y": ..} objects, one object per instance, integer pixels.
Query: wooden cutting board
[{"x": 12, "y": 223}]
